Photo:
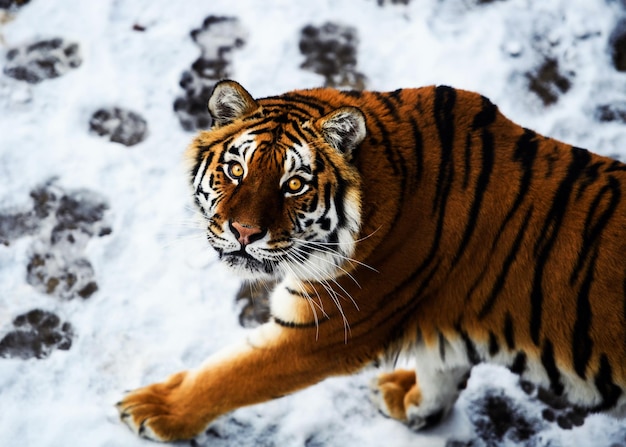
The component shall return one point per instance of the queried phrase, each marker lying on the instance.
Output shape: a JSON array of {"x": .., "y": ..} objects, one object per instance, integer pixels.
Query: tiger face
[{"x": 276, "y": 186}]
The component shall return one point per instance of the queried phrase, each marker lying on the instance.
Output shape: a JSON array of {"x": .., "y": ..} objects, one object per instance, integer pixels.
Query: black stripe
[
  {"x": 312, "y": 206},
  {"x": 323, "y": 220},
  {"x": 445, "y": 101},
  {"x": 604, "y": 383},
  {"x": 525, "y": 153},
  {"x": 391, "y": 153},
  {"x": 394, "y": 158},
  {"x": 589, "y": 177},
  {"x": 292, "y": 325},
  {"x": 340, "y": 197},
  {"x": 390, "y": 106},
  {"x": 498, "y": 285},
  {"x": 582, "y": 344},
  {"x": 265, "y": 125},
  {"x": 225, "y": 145},
  {"x": 353, "y": 93},
  {"x": 470, "y": 348},
  {"x": 549, "y": 364},
  {"x": 444, "y": 119},
  {"x": 494, "y": 347},
  {"x": 442, "y": 347},
  {"x": 202, "y": 151},
  {"x": 394, "y": 155},
  {"x": 519, "y": 363},
  {"x": 549, "y": 233},
  {"x": 468, "y": 160},
  {"x": 487, "y": 115},
  {"x": 296, "y": 113},
  {"x": 302, "y": 133},
  {"x": 592, "y": 231},
  {"x": 293, "y": 97},
  {"x": 320, "y": 164},
  {"x": 295, "y": 140},
  {"x": 509, "y": 335},
  {"x": 624, "y": 312},
  {"x": 615, "y": 166},
  {"x": 310, "y": 101},
  {"x": 418, "y": 150},
  {"x": 197, "y": 202},
  {"x": 296, "y": 293}
]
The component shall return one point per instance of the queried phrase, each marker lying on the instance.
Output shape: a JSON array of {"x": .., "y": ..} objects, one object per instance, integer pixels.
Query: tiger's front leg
[{"x": 273, "y": 361}]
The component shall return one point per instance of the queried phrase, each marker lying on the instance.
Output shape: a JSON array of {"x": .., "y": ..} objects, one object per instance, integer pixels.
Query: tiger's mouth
[{"x": 247, "y": 265}]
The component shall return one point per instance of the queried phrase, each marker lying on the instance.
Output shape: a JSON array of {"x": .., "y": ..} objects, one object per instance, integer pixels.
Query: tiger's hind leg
[{"x": 419, "y": 399}]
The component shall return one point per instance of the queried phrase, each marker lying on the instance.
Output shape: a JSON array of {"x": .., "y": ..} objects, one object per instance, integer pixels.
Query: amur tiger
[{"x": 419, "y": 221}]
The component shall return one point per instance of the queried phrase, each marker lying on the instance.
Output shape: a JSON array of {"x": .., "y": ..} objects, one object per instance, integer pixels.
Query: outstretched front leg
[
  {"x": 274, "y": 361},
  {"x": 419, "y": 400}
]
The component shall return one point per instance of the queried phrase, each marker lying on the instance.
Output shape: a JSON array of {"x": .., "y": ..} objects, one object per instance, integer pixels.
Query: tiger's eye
[
  {"x": 295, "y": 184},
  {"x": 235, "y": 170}
]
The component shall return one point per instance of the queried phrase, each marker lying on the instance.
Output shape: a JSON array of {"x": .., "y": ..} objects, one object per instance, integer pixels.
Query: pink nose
[{"x": 246, "y": 234}]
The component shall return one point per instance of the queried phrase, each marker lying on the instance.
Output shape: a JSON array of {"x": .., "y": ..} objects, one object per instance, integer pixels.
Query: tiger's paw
[
  {"x": 162, "y": 412},
  {"x": 398, "y": 395}
]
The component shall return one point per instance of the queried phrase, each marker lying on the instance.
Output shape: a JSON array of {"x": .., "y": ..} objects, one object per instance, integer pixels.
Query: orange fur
[{"x": 483, "y": 235}]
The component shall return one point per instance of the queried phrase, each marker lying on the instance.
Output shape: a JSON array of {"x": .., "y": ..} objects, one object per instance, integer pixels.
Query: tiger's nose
[{"x": 246, "y": 234}]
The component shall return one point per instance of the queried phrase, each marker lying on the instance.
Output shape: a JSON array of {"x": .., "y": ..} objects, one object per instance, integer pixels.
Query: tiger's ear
[
  {"x": 230, "y": 101},
  {"x": 343, "y": 129}
]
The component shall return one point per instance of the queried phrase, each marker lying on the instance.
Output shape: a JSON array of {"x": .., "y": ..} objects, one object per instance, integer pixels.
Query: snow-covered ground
[{"x": 104, "y": 275}]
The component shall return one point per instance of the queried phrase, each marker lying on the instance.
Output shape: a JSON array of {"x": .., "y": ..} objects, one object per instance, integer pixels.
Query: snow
[{"x": 163, "y": 302}]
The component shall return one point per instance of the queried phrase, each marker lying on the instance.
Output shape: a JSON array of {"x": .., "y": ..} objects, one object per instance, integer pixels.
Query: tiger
[{"x": 419, "y": 222}]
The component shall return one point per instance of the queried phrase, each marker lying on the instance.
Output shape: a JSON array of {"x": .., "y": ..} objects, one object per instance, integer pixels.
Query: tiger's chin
[{"x": 247, "y": 267}]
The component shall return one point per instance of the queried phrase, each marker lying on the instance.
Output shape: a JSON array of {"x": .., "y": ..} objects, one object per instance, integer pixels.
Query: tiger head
[{"x": 276, "y": 185}]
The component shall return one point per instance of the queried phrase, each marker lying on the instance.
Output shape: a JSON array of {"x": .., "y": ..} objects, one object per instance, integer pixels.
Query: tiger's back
[{"x": 421, "y": 221}]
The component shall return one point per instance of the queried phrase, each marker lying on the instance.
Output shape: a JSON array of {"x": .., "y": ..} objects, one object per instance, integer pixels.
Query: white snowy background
[{"x": 162, "y": 303}]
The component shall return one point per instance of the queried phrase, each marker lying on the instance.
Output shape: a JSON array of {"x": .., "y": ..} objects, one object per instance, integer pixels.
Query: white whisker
[
  {"x": 325, "y": 248},
  {"x": 334, "y": 296},
  {"x": 328, "y": 261},
  {"x": 299, "y": 250},
  {"x": 312, "y": 304}
]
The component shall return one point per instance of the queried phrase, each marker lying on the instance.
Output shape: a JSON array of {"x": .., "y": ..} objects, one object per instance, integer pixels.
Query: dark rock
[
  {"x": 617, "y": 44},
  {"x": 36, "y": 334},
  {"x": 120, "y": 125},
  {"x": 217, "y": 38},
  {"x": 331, "y": 51},
  {"x": 45, "y": 59},
  {"x": 548, "y": 82}
]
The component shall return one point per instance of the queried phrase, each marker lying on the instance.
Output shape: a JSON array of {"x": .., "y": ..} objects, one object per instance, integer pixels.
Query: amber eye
[
  {"x": 235, "y": 170},
  {"x": 295, "y": 185}
]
